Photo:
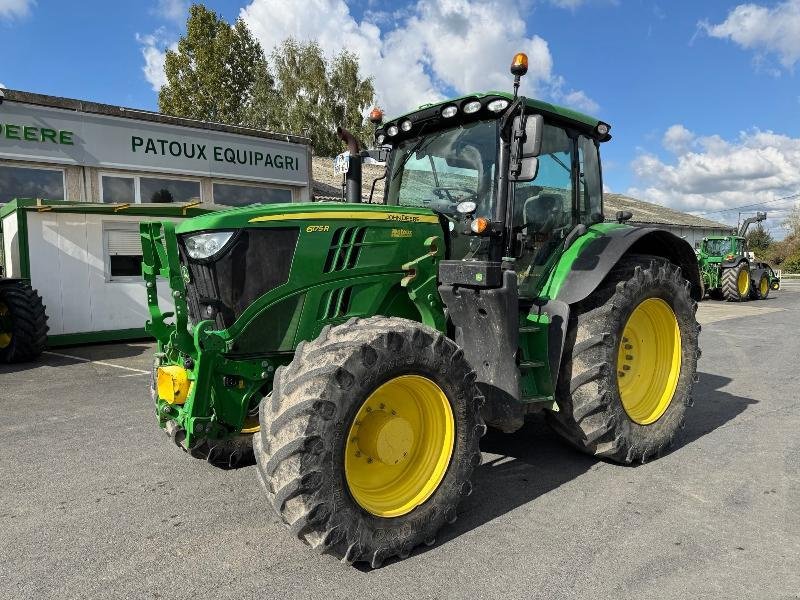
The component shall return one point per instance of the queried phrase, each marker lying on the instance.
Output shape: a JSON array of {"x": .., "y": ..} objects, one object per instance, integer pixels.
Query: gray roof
[
  {"x": 647, "y": 212},
  {"x": 330, "y": 186},
  {"x": 96, "y": 108}
]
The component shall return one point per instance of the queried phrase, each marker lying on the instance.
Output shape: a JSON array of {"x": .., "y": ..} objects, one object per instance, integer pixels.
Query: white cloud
[
  {"x": 711, "y": 173},
  {"x": 16, "y": 9},
  {"x": 437, "y": 47},
  {"x": 765, "y": 30},
  {"x": 154, "y": 51},
  {"x": 580, "y": 101},
  {"x": 3, "y": 86},
  {"x": 677, "y": 139},
  {"x": 172, "y": 10}
]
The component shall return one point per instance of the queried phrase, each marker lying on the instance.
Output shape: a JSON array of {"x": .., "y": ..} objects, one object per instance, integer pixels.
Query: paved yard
[{"x": 95, "y": 502}]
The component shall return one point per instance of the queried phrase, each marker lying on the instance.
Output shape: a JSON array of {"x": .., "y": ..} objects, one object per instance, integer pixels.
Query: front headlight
[{"x": 206, "y": 245}]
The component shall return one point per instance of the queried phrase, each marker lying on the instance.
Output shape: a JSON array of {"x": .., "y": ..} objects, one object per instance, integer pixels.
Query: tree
[
  {"x": 759, "y": 240},
  {"x": 311, "y": 96},
  {"x": 212, "y": 74},
  {"x": 792, "y": 221}
]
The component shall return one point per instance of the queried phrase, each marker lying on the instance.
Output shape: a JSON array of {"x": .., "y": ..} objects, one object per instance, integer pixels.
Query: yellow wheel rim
[
  {"x": 763, "y": 286},
  {"x": 649, "y": 361},
  {"x": 743, "y": 282},
  {"x": 399, "y": 446},
  {"x": 5, "y": 326},
  {"x": 251, "y": 425}
]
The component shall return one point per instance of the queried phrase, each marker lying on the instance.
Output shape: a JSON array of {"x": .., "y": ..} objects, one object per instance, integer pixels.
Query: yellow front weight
[{"x": 172, "y": 384}]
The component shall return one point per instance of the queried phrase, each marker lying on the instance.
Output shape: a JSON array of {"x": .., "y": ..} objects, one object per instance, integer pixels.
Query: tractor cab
[
  {"x": 513, "y": 202},
  {"x": 718, "y": 249}
]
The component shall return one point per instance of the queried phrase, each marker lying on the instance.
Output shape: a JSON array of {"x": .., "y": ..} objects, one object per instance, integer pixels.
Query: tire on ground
[
  {"x": 730, "y": 283},
  {"x": 591, "y": 414},
  {"x": 23, "y": 323},
  {"x": 760, "y": 291},
  {"x": 305, "y": 426}
]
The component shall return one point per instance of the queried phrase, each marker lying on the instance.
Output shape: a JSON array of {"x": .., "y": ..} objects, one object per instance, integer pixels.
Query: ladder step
[
  {"x": 530, "y": 364},
  {"x": 530, "y": 329}
]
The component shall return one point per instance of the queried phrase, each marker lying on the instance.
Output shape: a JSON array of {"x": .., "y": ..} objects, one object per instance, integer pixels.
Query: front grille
[{"x": 257, "y": 261}]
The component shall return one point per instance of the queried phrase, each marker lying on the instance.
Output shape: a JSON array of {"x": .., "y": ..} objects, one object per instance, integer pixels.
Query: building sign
[{"x": 44, "y": 134}]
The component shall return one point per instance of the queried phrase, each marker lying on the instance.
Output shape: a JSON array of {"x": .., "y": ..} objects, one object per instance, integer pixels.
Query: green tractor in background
[
  {"x": 729, "y": 271},
  {"x": 359, "y": 351}
]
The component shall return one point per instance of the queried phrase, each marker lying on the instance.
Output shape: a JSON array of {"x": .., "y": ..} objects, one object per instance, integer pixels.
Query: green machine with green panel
[{"x": 357, "y": 352}]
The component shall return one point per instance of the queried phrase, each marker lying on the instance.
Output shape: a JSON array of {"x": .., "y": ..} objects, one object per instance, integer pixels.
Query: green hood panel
[{"x": 306, "y": 213}]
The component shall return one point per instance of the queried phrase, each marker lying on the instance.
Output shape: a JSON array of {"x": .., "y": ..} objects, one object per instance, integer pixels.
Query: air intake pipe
[{"x": 353, "y": 177}]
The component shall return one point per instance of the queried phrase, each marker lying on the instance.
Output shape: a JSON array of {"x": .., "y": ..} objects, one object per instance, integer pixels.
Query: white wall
[
  {"x": 68, "y": 268},
  {"x": 11, "y": 267}
]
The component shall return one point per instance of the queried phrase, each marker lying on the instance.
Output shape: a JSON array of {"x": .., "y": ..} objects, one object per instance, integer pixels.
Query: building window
[
  {"x": 161, "y": 191},
  {"x": 123, "y": 250},
  {"x": 117, "y": 189},
  {"x": 30, "y": 182},
  {"x": 241, "y": 195}
]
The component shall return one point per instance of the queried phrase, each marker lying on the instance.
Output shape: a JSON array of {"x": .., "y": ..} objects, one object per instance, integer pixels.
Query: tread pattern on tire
[
  {"x": 730, "y": 286},
  {"x": 591, "y": 416},
  {"x": 29, "y": 322},
  {"x": 303, "y": 422}
]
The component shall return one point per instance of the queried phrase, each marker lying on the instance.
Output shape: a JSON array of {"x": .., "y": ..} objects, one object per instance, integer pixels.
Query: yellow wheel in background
[
  {"x": 743, "y": 282},
  {"x": 5, "y": 326},
  {"x": 649, "y": 360},
  {"x": 763, "y": 286},
  {"x": 399, "y": 446}
]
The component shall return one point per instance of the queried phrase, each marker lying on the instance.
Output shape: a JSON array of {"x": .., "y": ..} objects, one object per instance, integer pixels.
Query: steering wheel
[{"x": 441, "y": 192}]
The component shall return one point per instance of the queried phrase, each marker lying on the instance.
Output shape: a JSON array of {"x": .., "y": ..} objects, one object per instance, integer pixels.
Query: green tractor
[
  {"x": 23, "y": 321},
  {"x": 728, "y": 271},
  {"x": 358, "y": 351}
]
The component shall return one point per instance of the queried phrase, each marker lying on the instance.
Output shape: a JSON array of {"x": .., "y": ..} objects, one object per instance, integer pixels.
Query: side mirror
[
  {"x": 624, "y": 215},
  {"x": 526, "y": 147}
]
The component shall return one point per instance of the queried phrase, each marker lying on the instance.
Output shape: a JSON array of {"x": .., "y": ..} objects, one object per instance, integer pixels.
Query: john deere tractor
[
  {"x": 728, "y": 271},
  {"x": 358, "y": 351}
]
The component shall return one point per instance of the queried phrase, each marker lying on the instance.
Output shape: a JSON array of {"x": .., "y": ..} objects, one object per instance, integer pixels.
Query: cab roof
[{"x": 560, "y": 112}]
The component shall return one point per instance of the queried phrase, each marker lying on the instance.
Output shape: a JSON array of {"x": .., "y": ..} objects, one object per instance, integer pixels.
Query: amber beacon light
[{"x": 519, "y": 66}]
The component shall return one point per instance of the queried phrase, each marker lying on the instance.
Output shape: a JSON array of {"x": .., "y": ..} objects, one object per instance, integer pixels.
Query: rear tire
[
  {"x": 736, "y": 283},
  {"x": 23, "y": 323},
  {"x": 592, "y": 416},
  {"x": 761, "y": 290},
  {"x": 306, "y": 436}
]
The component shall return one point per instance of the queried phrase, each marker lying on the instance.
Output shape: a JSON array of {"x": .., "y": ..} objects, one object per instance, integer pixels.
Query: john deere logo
[
  {"x": 185, "y": 274},
  {"x": 478, "y": 276}
]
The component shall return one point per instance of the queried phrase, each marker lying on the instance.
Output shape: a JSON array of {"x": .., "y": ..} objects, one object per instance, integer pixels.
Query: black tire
[
  {"x": 729, "y": 283},
  {"x": 591, "y": 414},
  {"x": 228, "y": 453},
  {"x": 756, "y": 293},
  {"x": 304, "y": 431},
  {"x": 23, "y": 322}
]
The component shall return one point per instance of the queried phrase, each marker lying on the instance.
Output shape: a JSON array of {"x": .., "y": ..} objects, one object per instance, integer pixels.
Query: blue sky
[{"x": 703, "y": 97}]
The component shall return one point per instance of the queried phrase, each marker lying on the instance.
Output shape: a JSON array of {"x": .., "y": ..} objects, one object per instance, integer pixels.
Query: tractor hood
[{"x": 304, "y": 212}]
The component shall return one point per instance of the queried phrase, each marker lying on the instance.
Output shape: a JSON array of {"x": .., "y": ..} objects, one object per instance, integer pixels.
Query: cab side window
[{"x": 590, "y": 190}]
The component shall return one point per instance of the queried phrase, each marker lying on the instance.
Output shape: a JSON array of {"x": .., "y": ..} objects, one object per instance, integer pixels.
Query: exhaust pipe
[{"x": 353, "y": 177}]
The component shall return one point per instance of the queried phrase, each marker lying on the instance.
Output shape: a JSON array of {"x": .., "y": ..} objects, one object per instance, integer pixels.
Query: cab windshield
[
  {"x": 441, "y": 169},
  {"x": 718, "y": 247}
]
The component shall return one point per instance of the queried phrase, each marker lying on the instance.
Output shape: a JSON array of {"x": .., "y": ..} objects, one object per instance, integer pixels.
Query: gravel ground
[{"x": 95, "y": 502}]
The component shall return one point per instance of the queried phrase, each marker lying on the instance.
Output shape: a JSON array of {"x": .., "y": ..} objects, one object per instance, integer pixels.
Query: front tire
[
  {"x": 630, "y": 361},
  {"x": 369, "y": 438},
  {"x": 761, "y": 291}
]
